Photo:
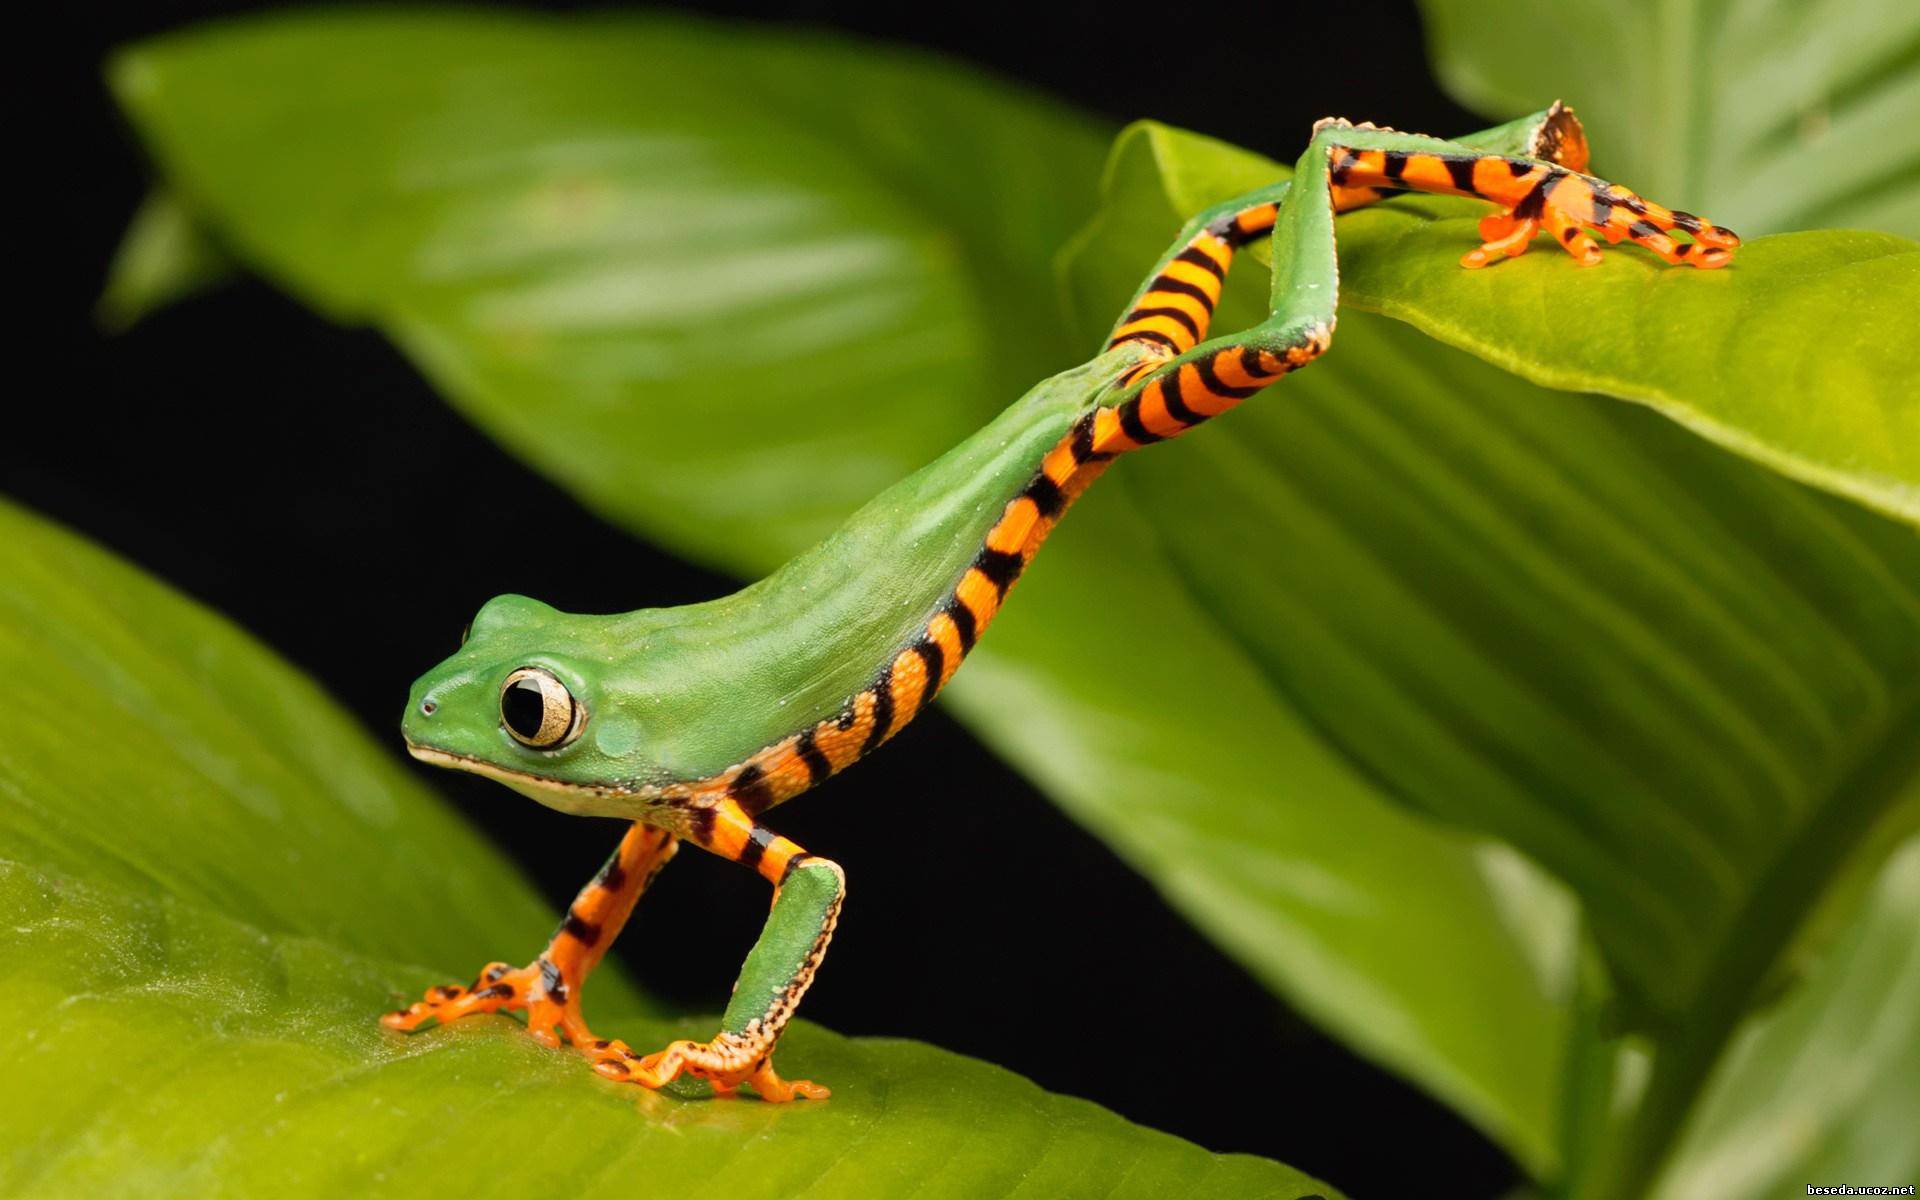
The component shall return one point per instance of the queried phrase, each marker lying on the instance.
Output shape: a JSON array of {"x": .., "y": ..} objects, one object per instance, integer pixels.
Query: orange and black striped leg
[
  {"x": 806, "y": 906},
  {"x": 1208, "y": 379},
  {"x": 1201, "y": 385},
  {"x": 1173, "y": 311},
  {"x": 548, "y": 989},
  {"x": 1532, "y": 194}
]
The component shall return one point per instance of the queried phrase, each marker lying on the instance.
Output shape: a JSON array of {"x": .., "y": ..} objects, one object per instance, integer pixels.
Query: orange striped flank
[{"x": 915, "y": 674}]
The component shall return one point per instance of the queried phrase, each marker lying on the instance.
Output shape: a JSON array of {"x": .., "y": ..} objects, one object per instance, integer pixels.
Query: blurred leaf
[
  {"x": 1689, "y": 687},
  {"x": 1766, "y": 114},
  {"x": 927, "y": 207},
  {"x": 599, "y": 224},
  {"x": 1826, "y": 1087},
  {"x": 214, "y": 884},
  {"x": 165, "y": 256}
]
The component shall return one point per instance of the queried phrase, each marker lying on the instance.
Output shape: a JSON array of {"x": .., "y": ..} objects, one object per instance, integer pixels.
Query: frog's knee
[{"x": 811, "y": 874}]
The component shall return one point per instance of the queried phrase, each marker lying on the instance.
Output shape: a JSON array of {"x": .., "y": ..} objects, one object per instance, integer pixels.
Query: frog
[{"x": 691, "y": 723}]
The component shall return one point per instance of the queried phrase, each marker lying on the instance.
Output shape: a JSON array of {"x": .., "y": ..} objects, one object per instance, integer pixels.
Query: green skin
[{"x": 678, "y": 695}]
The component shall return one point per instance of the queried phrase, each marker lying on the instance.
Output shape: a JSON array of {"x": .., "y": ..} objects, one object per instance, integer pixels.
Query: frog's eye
[
  {"x": 538, "y": 710},
  {"x": 466, "y": 631}
]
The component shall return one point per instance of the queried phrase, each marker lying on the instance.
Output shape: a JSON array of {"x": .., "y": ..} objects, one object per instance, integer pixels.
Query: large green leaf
[
  {"x": 214, "y": 884},
  {"x": 1827, "y": 1086},
  {"x": 596, "y": 225},
  {"x": 1797, "y": 356},
  {"x": 1688, "y": 686},
  {"x": 1770, "y": 115},
  {"x": 524, "y": 204},
  {"x": 1467, "y": 533},
  {"x": 1767, "y": 114}
]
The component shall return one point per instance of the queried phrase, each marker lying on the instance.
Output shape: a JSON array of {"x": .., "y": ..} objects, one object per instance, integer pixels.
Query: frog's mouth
[{"x": 569, "y": 797}]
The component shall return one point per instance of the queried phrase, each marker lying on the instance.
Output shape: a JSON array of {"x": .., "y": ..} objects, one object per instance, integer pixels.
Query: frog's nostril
[{"x": 427, "y": 707}]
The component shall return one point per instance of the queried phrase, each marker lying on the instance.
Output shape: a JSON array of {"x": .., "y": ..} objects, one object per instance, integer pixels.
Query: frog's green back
[
  {"x": 681, "y": 695},
  {"x": 744, "y": 671}
]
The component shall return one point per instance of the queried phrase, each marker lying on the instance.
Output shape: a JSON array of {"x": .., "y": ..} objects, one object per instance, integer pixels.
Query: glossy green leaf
[
  {"x": 1462, "y": 523},
  {"x": 1826, "y": 1087},
  {"x": 1442, "y": 955},
  {"x": 1798, "y": 356},
  {"x": 167, "y": 755},
  {"x": 608, "y": 224},
  {"x": 1689, "y": 687},
  {"x": 1767, "y": 114},
  {"x": 214, "y": 884},
  {"x": 425, "y": 192}
]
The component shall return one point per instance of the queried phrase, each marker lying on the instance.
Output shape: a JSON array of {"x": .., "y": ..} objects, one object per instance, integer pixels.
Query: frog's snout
[{"x": 423, "y": 701}]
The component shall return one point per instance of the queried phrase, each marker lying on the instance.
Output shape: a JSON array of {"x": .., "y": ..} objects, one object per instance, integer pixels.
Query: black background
[{"x": 263, "y": 461}]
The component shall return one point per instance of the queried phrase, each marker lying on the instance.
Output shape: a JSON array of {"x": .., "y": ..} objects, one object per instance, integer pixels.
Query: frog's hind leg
[
  {"x": 1342, "y": 167},
  {"x": 548, "y": 989},
  {"x": 1206, "y": 379},
  {"x": 779, "y": 969},
  {"x": 1171, "y": 312}
]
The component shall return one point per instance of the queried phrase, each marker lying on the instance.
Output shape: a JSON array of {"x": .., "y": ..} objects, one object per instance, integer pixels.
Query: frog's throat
[{"x": 554, "y": 792}]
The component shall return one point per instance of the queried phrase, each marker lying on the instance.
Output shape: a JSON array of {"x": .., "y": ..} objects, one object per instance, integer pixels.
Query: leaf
[
  {"x": 1687, "y": 686},
  {"x": 1768, "y": 114},
  {"x": 1835, "y": 1066},
  {"x": 166, "y": 754},
  {"x": 1441, "y": 955},
  {"x": 1460, "y": 524},
  {"x": 215, "y": 884},
  {"x": 1795, "y": 356},
  {"x": 164, "y": 257},
  {"x": 649, "y": 351},
  {"x": 574, "y": 222}
]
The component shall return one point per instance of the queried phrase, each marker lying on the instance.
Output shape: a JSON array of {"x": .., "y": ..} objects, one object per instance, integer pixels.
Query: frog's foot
[
  {"x": 726, "y": 1062},
  {"x": 538, "y": 990},
  {"x": 1569, "y": 206}
]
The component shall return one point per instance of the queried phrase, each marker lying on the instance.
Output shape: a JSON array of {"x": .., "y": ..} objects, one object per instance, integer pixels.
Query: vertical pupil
[{"x": 523, "y": 707}]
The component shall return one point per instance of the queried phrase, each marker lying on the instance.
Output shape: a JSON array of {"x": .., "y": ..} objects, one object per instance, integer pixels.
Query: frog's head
[{"x": 525, "y": 701}]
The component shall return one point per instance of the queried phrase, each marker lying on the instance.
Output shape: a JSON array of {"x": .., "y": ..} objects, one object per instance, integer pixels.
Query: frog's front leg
[
  {"x": 806, "y": 904},
  {"x": 548, "y": 989},
  {"x": 1532, "y": 194}
]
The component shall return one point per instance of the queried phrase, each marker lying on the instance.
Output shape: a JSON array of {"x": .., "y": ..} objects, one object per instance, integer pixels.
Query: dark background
[{"x": 286, "y": 518}]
